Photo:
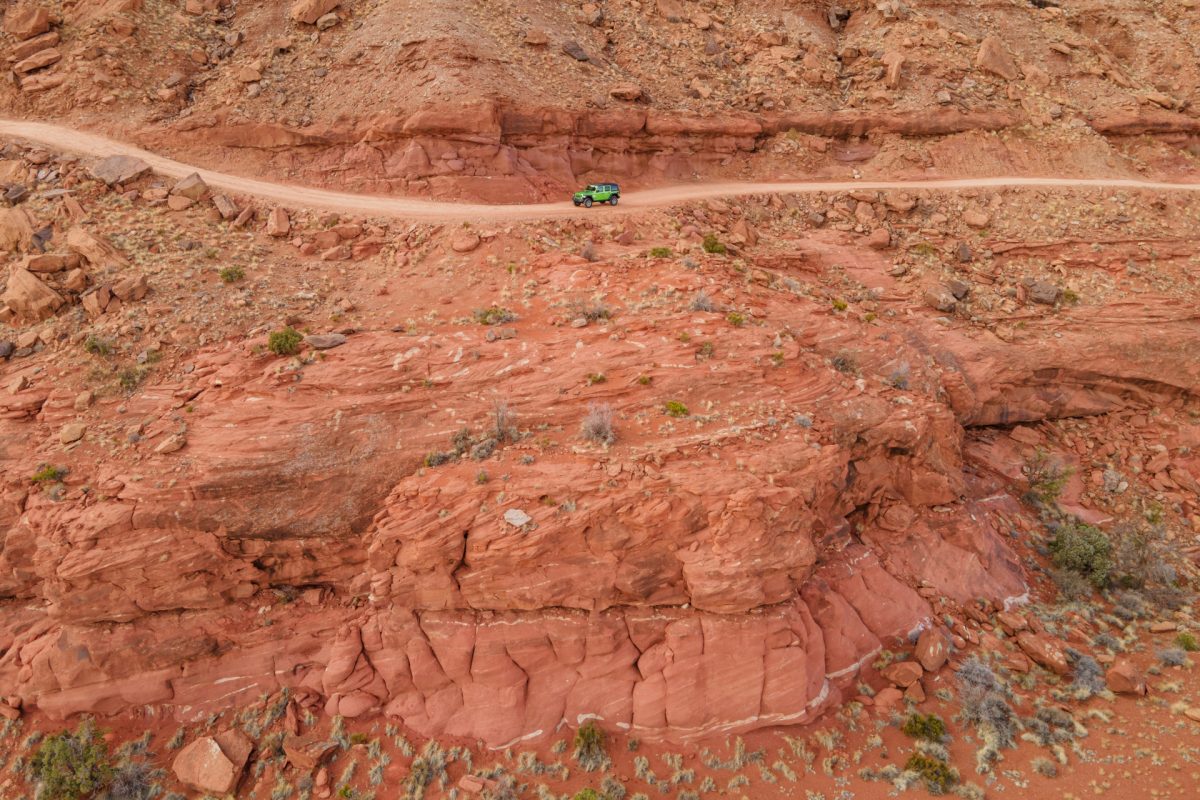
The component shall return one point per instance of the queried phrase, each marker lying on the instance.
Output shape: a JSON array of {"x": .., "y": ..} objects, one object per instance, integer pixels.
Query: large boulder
[
  {"x": 932, "y": 649},
  {"x": 119, "y": 169},
  {"x": 214, "y": 764},
  {"x": 1125, "y": 678},
  {"x": 16, "y": 229},
  {"x": 309, "y": 11},
  {"x": 1045, "y": 651},
  {"x": 25, "y": 22},
  {"x": 95, "y": 250},
  {"x": 994, "y": 58},
  {"x": 29, "y": 298}
]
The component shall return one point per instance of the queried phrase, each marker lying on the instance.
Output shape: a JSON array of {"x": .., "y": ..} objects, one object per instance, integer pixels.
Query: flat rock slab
[{"x": 119, "y": 169}]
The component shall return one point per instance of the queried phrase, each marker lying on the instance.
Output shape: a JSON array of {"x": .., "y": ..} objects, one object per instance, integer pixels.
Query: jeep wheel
[
  {"x": 587, "y": 202},
  {"x": 576, "y": 202},
  {"x": 612, "y": 201}
]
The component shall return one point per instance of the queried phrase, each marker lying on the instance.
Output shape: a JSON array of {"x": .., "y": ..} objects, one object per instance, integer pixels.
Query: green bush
[
  {"x": 131, "y": 377},
  {"x": 494, "y": 315},
  {"x": 232, "y": 274},
  {"x": 659, "y": 252},
  {"x": 587, "y": 794},
  {"x": 97, "y": 346},
  {"x": 72, "y": 766},
  {"x": 1083, "y": 549},
  {"x": 589, "y": 747},
  {"x": 674, "y": 408},
  {"x": 49, "y": 473},
  {"x": 1046, "y": 479},
  {"x": 938, "y": 775},
  {"x": 839, "y": 304},
  {"x": 1187, "y": 641},
  {"x": 713, "y": 245},
  {"x": 736, "y": 319},
  {"x": 925, "y": 726},
  {"x": 284, "y": 342}
]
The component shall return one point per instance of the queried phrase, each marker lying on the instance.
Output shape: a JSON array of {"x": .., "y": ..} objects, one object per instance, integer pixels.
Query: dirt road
[{"x": 68, "y": 140}]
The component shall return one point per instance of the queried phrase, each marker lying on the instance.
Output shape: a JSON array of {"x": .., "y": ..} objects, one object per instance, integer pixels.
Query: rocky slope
[{"x": 405, "y": 518}]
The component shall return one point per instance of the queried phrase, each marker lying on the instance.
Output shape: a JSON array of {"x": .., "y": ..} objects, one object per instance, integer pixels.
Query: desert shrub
[
  {"x": 937, "y": 775},
  {"x": 591, "y": 310},
  {"x": 1071, "y": 585},
  {"x": 713, "y": 245},
  {"x": 130, "y": 378},
  {"x": 1046, "y": 479},
  {"x": 493, "y": 315},
  {"x": 1050, "y": 726},
  {"x": 1083, "y": 549},
  {"x": 1044, "y": 766},
  {"x": 839, "y": 304},
  {"x": 503, "y": 423},
  {"x": 984, "y": 704},
  {"x": 1089, "y": 675},
  {"x": 674, "y": 408},
  {"x": 705, "y": 350},
  {"x": 97, "y": 346},
  {"x": 925, "y": 726},
  {"x": 1141, "y": 561},
  {"x": 589, "y": 750},
  {"x": 133, "y": 780},
  {"x": 586, "y": 794},
  {"x": 702, "y": 302},
  {"x": 1108, "y": 642},
  {"x": 1187, "y": 641},
  {"x": 845, "y": 362},
  {"x": 232, "y": 274},
  {"x": 284, "y": 342},
  {"x": 48, "y": 473},
  {"x": 1173, "y": 657},
  {"x": 736, "y": 319},
  {"x": 598, "y": 424},
  {"x": 72, "y": 766},
  {"x": 661, "y": 252}
]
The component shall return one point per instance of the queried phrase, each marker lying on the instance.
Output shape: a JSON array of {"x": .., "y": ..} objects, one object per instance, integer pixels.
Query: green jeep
[{"x": 597, "y": 193}]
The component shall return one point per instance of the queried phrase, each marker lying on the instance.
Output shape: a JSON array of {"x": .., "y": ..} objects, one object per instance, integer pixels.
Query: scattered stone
[
  {"x": 902, "y": 673},
  {"x": 1164, "y": 626},
  {"x": 116, "y": 170},
  {"x": 465, "y": 243},
  {"x": 26, "y": 21},
  {"x": 307, "y": 752},
  {"x": 29, "y": 298},
  {"x": 888, "y": 698},
  {"x": 960, "y": 289},
  {"x": 327, "y": 21},
  {"x": 628, "y": 92},
  {"x": 536, "y": 37},
  {"x": 192, "y": 187},
  {"x": 517, "y": 518},
  {"x": 975, "y": 219},
  {"x": 1125, "y": 678},
  {"x": 97, "y": 252},
  {"x": 880, "y": 239},
  {"x": 72, "y": 432},
  {"x": 325, "y": 341},
  {"x": 1045, "y": 293},
  {"x": 39, "y": 60},
  {"x": 278, "y": 224},
  {"x": 1045, "y": 652},
  {"x": 932, "y": 649},
  {"x": 994, "y": 58},
  {"x": 309, "y": 11},
  {"x": 171, "y": 444},
  {"x": 213, "y": 764},
  {"x": 940, "y": 298},
  {"x": 574, "y": 50}
]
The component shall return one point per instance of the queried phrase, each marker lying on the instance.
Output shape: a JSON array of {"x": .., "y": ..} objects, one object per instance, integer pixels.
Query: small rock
[
  {"x": 902, "y": 673},
  {"x": 537, "y": 37},
  {"x": 171, "y": 444},
  {"x": 327, "y": 21},
  {"x": 975, "y": 219},
  {"x": 940, "y": 298},
  {"x": 72, "y": 432},
  {"x": 960, "y": 289},
  {"x": 629, "y": 92},
  {"x": 192, "y": 187},
  {"x": 278, "y": 224},
  {"x": 880, "y": 239},
  {"x": 465, "y": 243},
  {"x": 932, "y": 650},
  {"x": 574, "y": 50},
  {"x": 1045, "y": 293},
  {"x": 1163, "y": 626},
  {"x": 325, "y": 341},
  {"x": 1124, "y": 678},
  {"x": 517, "y": 518},
  {"x": 119, "y": 169}
]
